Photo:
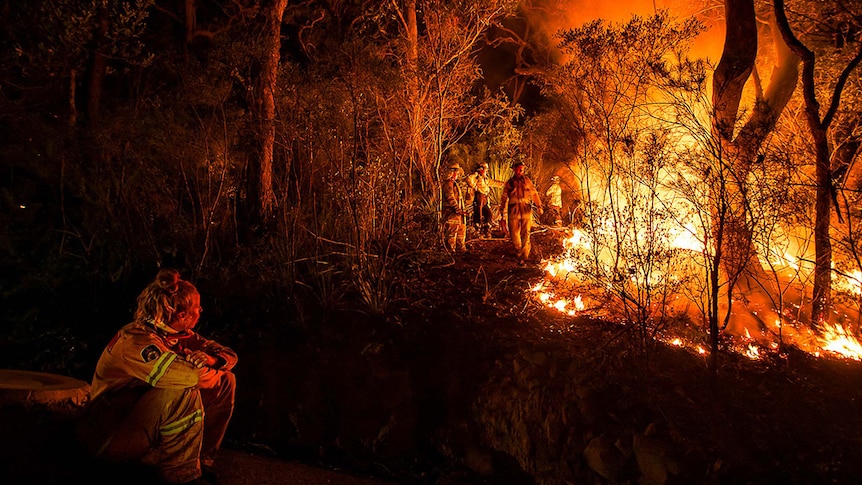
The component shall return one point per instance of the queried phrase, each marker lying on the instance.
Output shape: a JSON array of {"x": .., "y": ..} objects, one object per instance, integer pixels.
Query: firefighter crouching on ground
[
  {"x": 515, "y": 205},
  {"x": 161, "y": 395},
  {"x": 554, "y": 196},
  {"x": 454, "y": 226}
]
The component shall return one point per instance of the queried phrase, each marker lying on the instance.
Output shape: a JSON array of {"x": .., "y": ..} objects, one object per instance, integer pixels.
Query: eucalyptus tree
[
  {"x": 438, "y": 42},
  {"x": 819, "y": 125},
  {"x": 818, "y": 31}
]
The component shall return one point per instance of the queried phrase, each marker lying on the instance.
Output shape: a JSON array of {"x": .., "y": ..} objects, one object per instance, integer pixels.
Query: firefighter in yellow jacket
[
  {"x": 515, "y": 206},
  {"x": 162, "y": 395},
  {"x": 554, "y": 195},
  {"x": 480, "y": 185},
  {"x": 454, "y": 227}
]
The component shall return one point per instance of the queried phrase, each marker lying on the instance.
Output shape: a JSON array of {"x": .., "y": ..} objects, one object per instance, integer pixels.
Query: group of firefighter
[{"x": 518, "y": 198}]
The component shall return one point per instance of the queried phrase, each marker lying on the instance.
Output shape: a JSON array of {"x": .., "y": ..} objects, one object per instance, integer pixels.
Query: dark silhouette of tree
[{"x": 819, "y": 127}]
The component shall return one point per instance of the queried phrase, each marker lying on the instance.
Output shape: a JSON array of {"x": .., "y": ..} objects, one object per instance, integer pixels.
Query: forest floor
[
  {"x": 781, "y": 419},
  {"x": 788, "y": 418}
]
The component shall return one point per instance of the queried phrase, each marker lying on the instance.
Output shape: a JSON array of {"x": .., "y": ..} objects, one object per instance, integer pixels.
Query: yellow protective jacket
[
  {"x": 149, "y": 405},
  {"x": 554, "y": 195},
  {"x": 453, "y": 203},
  {"x": 141, "y": 354},
  {"x": 518, "y": 193}
]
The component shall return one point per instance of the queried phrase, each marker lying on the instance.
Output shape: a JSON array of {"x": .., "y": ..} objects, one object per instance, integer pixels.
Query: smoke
[
  {"x": 548, "y": 17},
  {"x": 528, "y": 43}
]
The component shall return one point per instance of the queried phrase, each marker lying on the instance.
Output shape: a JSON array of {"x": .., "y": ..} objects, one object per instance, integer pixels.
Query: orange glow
[
  {"x": 752, "y": 352},
  {"x": 558, "y": 291},
  {"x": 614, "y": 256},
  {"x": 838, "y": 340}
]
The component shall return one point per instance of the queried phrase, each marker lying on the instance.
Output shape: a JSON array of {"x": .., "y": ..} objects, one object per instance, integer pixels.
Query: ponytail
[{"x": 165, "y": 296}]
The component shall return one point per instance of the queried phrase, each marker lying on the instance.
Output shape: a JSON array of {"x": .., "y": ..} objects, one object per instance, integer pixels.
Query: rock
[
  {"x": 605, "y": 458},
  {"x": 655, "y": 458},
  {"x": 53, "y": 391},
  {"x": 479, "y": 461}
]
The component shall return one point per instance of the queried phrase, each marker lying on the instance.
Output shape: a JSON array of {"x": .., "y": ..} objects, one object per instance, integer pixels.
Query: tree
[
  {"x": 268, "y": 89},
  {"x": 626, "y": 156},
  {"x": 441, "y": 70},
  {"x": 819, "y": 128}
]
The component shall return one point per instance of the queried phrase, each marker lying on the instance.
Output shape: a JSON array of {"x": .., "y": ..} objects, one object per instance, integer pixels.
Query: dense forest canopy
[{"x": 299, "y": 144}]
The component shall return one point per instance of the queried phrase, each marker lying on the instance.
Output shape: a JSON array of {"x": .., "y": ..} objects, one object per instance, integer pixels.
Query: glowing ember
[{"x": 752, "y": 352}]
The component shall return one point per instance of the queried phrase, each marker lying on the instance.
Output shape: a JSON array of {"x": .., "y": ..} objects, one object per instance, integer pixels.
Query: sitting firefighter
[{"x": 162, "y": 394}]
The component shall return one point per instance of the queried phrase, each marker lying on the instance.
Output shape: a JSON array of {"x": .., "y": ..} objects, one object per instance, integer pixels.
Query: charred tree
[
  {"x": 740, "y": 144},
  {"x": 818, "y": 127}
]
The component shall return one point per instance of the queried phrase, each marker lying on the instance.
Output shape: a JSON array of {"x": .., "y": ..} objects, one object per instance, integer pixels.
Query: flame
[
  {"x": 623, "y": 226},
  {"x": 752, "y": 352},
  {"x": 687, "y": 238},
  {"x": 851, "y": 283},
  {"x": 839, "y": 340},
  {"x": 563, "y": 305},
  {"x": 554, "y": 292}
]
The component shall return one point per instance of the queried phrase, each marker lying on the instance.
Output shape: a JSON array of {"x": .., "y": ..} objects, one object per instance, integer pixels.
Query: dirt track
[{"x": 37, "y": 446}]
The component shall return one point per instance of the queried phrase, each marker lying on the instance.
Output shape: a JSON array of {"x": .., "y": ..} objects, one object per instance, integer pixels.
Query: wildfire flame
[
  {"x": 834, "y": 340},
  {"x": 839, "y": 340}
]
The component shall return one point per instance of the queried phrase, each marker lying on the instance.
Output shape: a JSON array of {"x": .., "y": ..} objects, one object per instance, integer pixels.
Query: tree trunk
[
  {"x": 73, "y": 89},
  {"x": 732, "y": 72},
  {"x": 97, "y": 70},
  {"x": 735, "y": 65},
  {"x": 269, "y": 87},
  {"x": 414, "y": 96},
  {"x": 822, "y": 294},
  {"x": 744, "y": 272},
  {"x": 821, "y": 298},
  {"x": 191, "y": 21}
]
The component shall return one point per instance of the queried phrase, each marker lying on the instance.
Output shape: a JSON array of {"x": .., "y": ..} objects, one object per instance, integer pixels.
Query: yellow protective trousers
[
  {"x": 520, "y": 217},
  {"x": 172, "y": 430},
  {"x": 455, "y": 234}
]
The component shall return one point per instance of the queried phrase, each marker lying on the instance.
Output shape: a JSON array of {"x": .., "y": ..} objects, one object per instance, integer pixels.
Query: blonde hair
[{"x": 164, "y": 297}]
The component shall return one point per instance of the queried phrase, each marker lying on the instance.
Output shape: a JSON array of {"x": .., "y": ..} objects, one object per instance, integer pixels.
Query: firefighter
[
  {"x": 454, "y": 225},
  {"x": 162, "y": 395},
  {"x": 554, "y": 196},
  {"x": 480, "y": 187},
  {"x": 515, "y": 206}
]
